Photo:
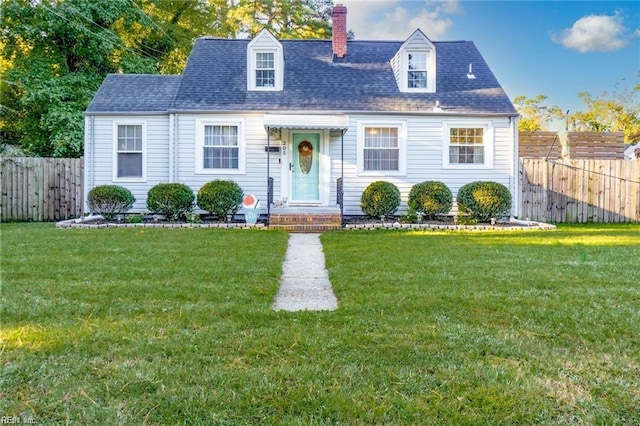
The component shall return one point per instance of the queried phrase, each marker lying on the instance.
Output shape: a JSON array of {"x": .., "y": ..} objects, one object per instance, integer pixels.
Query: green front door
[{"x": 305, "y": 168}]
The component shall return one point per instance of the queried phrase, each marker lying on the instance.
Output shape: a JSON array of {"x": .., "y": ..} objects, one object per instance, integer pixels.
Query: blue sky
[{"x": 554, "y": 48}]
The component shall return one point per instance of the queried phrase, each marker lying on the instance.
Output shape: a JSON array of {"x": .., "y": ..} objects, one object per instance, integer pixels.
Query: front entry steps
[{"x": 305, "y": 219}]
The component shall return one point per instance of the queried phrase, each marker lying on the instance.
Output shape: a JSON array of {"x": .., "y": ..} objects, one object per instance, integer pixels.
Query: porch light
[{"x": 275, "y": 133}]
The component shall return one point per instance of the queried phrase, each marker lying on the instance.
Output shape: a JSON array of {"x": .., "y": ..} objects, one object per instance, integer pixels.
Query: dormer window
[
  {"x": 265, "y": 63},
  {"x": 414, "y": 65}
]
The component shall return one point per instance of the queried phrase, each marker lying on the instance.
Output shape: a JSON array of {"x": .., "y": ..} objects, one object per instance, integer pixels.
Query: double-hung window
[
  {"x": 129, "y": 151},
  {"x": 416, "y": 70},
  {"x": 468, "y": 145},
  {"x": 219, "y": 147},
  {"x": 381, "y": 148},
  {"x": 265, "y": 69}
]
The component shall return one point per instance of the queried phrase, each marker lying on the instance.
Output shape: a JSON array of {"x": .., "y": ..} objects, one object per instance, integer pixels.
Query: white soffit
[{"x": 304, "y": 121}]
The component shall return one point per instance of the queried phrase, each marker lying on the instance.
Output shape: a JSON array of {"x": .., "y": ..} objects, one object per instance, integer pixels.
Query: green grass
[{"x": 174, "y": 326}]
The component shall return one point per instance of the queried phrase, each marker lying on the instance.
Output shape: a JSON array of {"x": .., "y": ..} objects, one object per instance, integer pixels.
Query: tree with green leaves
[
  {"x": 286, "y": 19},
  {"x": 54, "y": 54},
  {"x": 611, "y": 112},
  {"x": 535, "y": 116}
]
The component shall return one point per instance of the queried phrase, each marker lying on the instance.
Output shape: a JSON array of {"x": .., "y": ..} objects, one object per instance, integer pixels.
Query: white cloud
[
  {"x": 397, "y": 20},
  {"x": 593, "y": 33}
]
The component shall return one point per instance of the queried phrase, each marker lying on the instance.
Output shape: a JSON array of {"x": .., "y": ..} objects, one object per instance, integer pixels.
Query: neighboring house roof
[
  {"x": 632, "y": 152},
  {"x": 135, "y": 93},
  {"x": 215, "y": 79}
]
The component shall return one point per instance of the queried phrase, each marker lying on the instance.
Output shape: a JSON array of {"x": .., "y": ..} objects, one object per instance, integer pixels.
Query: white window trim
[
  {"x": 431, "y": 71},
  {"x": 143, "y": 178},
  {"x": 278, "y": 63},
  {"x": 199, "y": 146},
  {"x": 402, "y": 145},
  {"x": 487, "y": 142}
]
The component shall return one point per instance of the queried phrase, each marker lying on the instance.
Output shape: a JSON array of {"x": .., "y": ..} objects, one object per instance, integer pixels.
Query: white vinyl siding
[
  {"x": 101, "y": 154},
  {"x": 424, "y": 153}
]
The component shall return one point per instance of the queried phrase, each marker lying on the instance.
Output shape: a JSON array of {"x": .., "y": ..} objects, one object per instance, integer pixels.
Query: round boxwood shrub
[
  {"x": 380, "y": 198},
  {"x": 110, "y": 200},
  {"x": 484, "y": 200},
  {"x": 430, "y": 198},
  {"x": 220, "y": 198},
  {"x": 174, "y": 200}
]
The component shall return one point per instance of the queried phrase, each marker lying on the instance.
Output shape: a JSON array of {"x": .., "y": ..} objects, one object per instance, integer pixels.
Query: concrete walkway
[{"x": 304, "y": 285}]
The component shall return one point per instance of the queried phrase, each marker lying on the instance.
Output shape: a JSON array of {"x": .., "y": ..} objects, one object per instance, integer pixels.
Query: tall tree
[
  {"x": 611, "y": 112},
  {"x": 284, "y": 18},
  {"x": 535, "y": 116},
  {"x": 55, "y": 53}
]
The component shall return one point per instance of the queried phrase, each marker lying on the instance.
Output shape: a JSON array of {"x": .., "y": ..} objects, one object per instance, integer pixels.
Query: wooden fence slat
[
  {"x": 580, "y": 190},
  {"x": 40, "y": 189}
]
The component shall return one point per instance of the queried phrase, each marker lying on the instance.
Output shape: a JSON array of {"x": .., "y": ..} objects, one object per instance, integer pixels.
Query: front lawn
[{"x": 174, "y": 326}]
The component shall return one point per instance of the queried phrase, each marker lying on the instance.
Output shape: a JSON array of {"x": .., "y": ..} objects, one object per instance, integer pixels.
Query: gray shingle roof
[
  {"x": 215, "y": 79},
  {"x": 135, "y": 93}
]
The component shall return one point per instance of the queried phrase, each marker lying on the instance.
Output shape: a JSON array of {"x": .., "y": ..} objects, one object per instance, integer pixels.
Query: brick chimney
[{"x": 339, "y": 37}]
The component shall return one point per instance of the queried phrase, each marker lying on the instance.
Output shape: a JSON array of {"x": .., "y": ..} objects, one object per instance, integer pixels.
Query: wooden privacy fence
[
  {"x": 580, "y": 145},
  {"x": 579, "y": 190},
  {"x": 41, "y": 189}
]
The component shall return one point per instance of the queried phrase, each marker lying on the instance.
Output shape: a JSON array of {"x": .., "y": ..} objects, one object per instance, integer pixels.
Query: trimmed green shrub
[
  {"x": 110, "y": 200},
  {"x": 380, "y": 198},
  {"x": 174, "y": 200},
  {"x": 430, "y": 198},
  {"x": 484, "y": 200},
  {"x": 220, "y": 198}
]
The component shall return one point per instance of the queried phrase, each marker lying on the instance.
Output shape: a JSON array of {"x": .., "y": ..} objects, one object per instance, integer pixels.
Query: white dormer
[
  {"x": 265, "y": 63},
  {"x": 414, "y": 65}
]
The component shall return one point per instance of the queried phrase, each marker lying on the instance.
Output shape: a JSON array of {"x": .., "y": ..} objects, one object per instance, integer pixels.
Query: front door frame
[{"x": 324, "y": 169}]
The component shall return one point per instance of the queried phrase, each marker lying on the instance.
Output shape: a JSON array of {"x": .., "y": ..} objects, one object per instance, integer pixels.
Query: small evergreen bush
[
  {"x": 174, "y": 200},
  {"x": 430, "y": 198},
  {"x": 380, "y": 198},
  {"x": 484, "y": 200},
  {"x": 220, "y": 198},
  {"x": 110, "y": 200}
]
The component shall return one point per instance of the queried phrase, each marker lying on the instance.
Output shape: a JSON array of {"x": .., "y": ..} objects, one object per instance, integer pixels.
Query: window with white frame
[
  {"x": 265, "y": 69},
  {"x": 265, "y": 63},
  {"x": 219, "y": 147},
  {"x": 129, "y": 151},
  {"x": 468, "y": 145},
  {"x": 381, "y": 148},
  {"x": 416, "y": 70}
]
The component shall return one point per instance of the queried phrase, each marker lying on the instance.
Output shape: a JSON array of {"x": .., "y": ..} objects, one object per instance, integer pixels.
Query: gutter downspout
[
  {"x": 342, "y": 174},
  {"x": 268, "y": 170},
  {"x": 172, "y": 142},
  {"x": 89, "y": 159},
  {"x": 516, "y": 164}
]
